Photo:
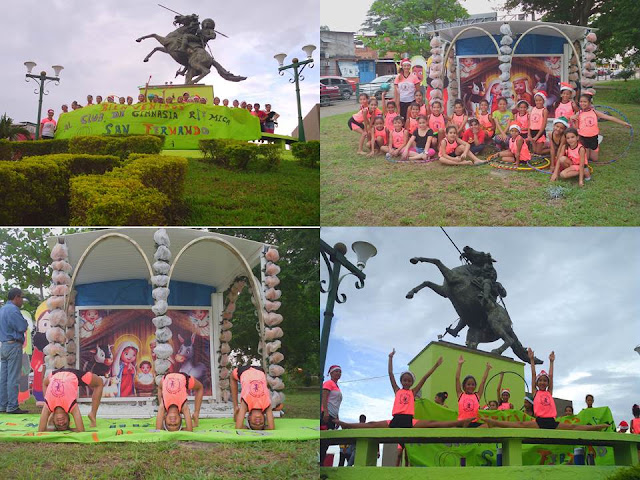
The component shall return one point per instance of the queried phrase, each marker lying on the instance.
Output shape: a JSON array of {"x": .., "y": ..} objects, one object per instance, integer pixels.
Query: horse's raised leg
[
  {"x": 205, "y": 71},
  {"x": 153, "y": 35},
  {"x": 439, "y": 289},
  {"x": 446, "y": 272},
  {"x": 157, "y": 49}
]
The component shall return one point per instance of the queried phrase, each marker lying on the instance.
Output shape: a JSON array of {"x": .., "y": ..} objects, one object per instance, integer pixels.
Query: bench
[{"x": 625, "y": 446}]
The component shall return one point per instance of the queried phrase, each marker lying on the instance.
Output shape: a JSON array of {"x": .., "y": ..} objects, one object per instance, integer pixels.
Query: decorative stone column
[
  {"x": 452, "y": 75},
  {"x": 505, "y": 63},
  {"x": 272, "y": 332},
  {"x": 225, "y": 337},
  {"x": 436, "y": 70},
  {"x": 160, "y": 293},
  {"x": 61, "y": 350},
  {"x": 588, "y": 63}
]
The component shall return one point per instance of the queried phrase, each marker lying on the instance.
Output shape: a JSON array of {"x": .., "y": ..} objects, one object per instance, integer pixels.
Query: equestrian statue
[
  {"x": 187, "y": 45},
  {"x": 473, "y": 290}
]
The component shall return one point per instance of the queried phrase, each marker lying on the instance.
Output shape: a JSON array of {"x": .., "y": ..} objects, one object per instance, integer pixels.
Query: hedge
[
  {"x": 115, "y": 200},
  {"x": 34, "y": 192},
  {"x": 308, "y": 153},
  {"x": 121, "y": 146},
  {"x": 83, "y": 164},
  {"x": 239, "y": 155},
  {"x": 147, "y": 190}
]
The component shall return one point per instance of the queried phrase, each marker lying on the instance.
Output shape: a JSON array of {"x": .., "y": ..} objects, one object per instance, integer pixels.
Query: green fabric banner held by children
[
  {"x": 183, "y": 125},
  {"x": 24, "y": 428},
  {"x": 480, "y": 454}
]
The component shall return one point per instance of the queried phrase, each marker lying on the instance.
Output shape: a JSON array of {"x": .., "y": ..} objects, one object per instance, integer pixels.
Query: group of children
[
  {"x": 253, "y": 403},
  {"x": 428, "y": 134},
  {"x": 469, "y": 393}
]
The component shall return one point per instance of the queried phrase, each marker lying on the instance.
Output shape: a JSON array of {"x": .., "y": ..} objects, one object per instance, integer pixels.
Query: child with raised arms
[
  {"x": 454, "y": 150},
  {"x": 538, "y": 124},
  {"x": 419, "y": 145},
  {"x": 399, "y": 138},
  {"x": 172, "y": 402},
  {"x": 572, "y": 159},
  {"x": 503, "y": 119},
  {"x": 587, "y": 120},
  {"x": 379, "y": 136},
  {"x": 61, "y": 392},
  {"x": 518, "y": 151},
  {"x": 544, "y": 407},
  {"x": 356, "y": 121},
  {"x": 557, "y": 140},
  {"x": 437, "y": 120},
  {"x": 459, "y": 117},
  {"x": 504, "y": 396},
  {"x": 404, "y": 403},
  {"x": 468, "y": 396},
  {"x": 487, "y": 122}
]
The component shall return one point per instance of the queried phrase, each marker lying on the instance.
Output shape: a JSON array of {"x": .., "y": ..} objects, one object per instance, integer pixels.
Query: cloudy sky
[
  {"x": 348, "y": 16},
  {"x": 572, "y": 290},
  {"x": 95, "y": 42}
]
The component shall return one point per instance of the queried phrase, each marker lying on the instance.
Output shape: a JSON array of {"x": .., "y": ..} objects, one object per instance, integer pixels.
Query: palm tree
[{"x": 10, "y": 131}]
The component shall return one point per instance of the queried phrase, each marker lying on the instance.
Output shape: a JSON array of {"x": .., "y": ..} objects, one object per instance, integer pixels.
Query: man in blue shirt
[{"x": 12, "y": 328}]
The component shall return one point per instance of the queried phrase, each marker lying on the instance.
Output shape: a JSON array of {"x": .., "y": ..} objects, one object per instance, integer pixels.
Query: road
[{"x": 338, "y": 107}]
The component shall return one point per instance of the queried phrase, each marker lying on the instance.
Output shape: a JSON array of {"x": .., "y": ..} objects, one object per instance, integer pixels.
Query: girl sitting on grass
[
  {"x": 455, "y": 151},
  {"x": 518, "y": 150},
  {"x": 399, "y": 138},
  {"x": 404, "y": 403},
  {"x": 557, "y": 140},
  {"x": 419, "y": 145},
  {"x": 572, "y": 159}
]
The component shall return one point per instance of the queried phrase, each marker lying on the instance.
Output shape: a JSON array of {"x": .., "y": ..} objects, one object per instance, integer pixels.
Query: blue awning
[{"x": 531, "y": 44}]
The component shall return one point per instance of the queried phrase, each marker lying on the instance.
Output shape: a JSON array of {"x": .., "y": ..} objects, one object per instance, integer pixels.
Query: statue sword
[{"x": 177, "y": 13}]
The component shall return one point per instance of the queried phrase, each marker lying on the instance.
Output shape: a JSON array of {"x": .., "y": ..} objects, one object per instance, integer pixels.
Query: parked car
[
  {"x": 347, "y": 87},
  {"x": 329, "y": 94},
  {"x": 374, "y": 87}
]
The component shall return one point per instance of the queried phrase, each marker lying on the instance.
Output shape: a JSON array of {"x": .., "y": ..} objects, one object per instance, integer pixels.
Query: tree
[
  {"x": 24, "y": 263},
  {"x": 10, "y": 131},
  {"x": 614, "y": 35},
  {"x": 299, "y": 260},
  {"x": 397, "y": 23},
  {"x": 559, "y": 11}
]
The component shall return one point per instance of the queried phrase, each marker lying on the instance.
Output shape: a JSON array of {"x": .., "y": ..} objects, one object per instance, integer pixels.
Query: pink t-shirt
[
  {"x": 335, "y": 398},
  {"x": 565, "y": 110},
  {"x": 404, "y": 402},
  {"x": 525, "y": 154},
  {"x": 588, "y": 123},
  {"x": 48, "y": 127},
  {"x": 407, "y": 86},
  {"x": 543, "y": 404},
  {"x": 388, "y": 120},
  {"x": 468, "y": 406},
  {"x": 63, "y": 388},
  {"x": 174, "y": 389},
  {"x": 254, "y": 392},
  {"x": 537, "y": 115},
  {"x": 504, "y": 406}
]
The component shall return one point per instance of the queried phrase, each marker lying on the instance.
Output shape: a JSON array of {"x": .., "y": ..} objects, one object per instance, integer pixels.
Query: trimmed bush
[
  {"x": 34, "y": 192},
  {"x": 144, "y": 143},
  {"x": 83, "y": 164},
  {"x": 164, "y": 173},
  {"x": 240, "y": 155},
  {"x": 307, "y": 153},
  {"x": 115, "y": 200},
  {"x": 214, "y": 150},
  {"x": 33, "y": 148},
  {"x": 116, "y": 145},
  {"x": 269, "y": 156},
  {"x": 6, "y": 149}
]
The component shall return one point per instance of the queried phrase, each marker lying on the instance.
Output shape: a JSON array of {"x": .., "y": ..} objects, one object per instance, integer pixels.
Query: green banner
[
  {"x": 24, "y": 428},
  {"x": 483, "y": 454},
  {"x": 183, "y": 124}
]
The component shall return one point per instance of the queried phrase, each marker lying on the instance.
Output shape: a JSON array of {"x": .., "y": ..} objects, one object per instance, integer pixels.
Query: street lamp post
[
  {"x": 40, "y": 80},
  {"x": 334, "y": 258},
  {"x": 297, "y": 78}
]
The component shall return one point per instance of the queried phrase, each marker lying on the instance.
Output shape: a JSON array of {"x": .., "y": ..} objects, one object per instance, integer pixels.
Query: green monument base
[{"x": 475, "y": 361}]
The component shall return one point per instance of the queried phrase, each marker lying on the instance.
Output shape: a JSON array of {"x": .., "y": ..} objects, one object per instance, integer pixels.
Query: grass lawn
[
  {"x": 169, "y": 460},
  {"x": 358, "y": 190},
  {"x": 217, "y": 196}
]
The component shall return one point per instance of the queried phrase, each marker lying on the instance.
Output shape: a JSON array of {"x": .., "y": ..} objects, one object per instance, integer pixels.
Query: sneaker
[
  {"x": 18, "y": 411},
  {"x": 388, "y": 157}
]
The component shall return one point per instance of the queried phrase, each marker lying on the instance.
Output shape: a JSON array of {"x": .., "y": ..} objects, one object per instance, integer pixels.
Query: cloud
[{"x": 95, "y": 42}]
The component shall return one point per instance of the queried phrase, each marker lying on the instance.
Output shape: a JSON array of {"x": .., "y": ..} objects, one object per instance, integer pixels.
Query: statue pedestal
[
  {"x": 475, "y": 361},
  {"x": 178, "y": 90}
]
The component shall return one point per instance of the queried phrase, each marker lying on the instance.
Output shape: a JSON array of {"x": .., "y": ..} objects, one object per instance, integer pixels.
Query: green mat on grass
[{"x": 24, "y": 428}]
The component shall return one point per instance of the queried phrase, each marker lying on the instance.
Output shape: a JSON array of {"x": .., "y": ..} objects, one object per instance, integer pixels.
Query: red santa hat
[
  {"x": 516, "y": 126},
  {"x": 565, "y": 86},
  {"x": 405, "y": 60},
  {"x": 542, "y": 94}
]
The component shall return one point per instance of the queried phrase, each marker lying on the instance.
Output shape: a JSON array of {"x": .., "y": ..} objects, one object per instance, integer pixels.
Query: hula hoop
[
  {"x": 626, "y": 150},
  {"x": 533, "y": 164},
  {"x": 548, "y": 172}
]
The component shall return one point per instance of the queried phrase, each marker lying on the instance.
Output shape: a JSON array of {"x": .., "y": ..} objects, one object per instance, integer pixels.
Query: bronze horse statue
[
  {"x": 186, "y": 45},
  {"x": 473, "y": 291}
]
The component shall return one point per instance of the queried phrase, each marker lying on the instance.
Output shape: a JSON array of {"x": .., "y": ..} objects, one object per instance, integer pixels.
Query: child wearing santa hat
[
  {"x": 538, "y": 124},
  {"x": 565, "y": 107}
]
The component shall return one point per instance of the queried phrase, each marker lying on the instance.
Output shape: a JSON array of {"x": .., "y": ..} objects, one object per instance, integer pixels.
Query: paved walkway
[{"x": 341, "y": 106}]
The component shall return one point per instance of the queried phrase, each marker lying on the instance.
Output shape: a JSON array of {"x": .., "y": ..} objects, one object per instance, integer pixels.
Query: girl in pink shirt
[
  {"x": 404, "y": 403},
  {"x": 388, "y": 112},
  {"x": 544, "y": 407},
  {"x": 356, "y": 121},
  {"x": 455, "y": 151},
  {"x": 518, "y": 149},
  {"x": 504, "y": 395},
  {"x": 538, "y": 124},
  {"x": 459, "y": 117},
  {"x": 587, "y": 120},
  {"x": 398, "y": 138},
  {"x": 572, "y": 159},
  {"x": 468, "y": 397},
  {"x": 566, "y": 107}
]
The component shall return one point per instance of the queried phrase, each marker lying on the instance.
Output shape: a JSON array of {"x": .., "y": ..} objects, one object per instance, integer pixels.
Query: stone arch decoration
[
  {"x": 265, "y": 298},
  {"x": 61, "y": 350}
]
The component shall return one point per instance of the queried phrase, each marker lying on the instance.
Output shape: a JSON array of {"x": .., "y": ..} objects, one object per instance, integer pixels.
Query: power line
[{"x": 368, "y": 378}]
